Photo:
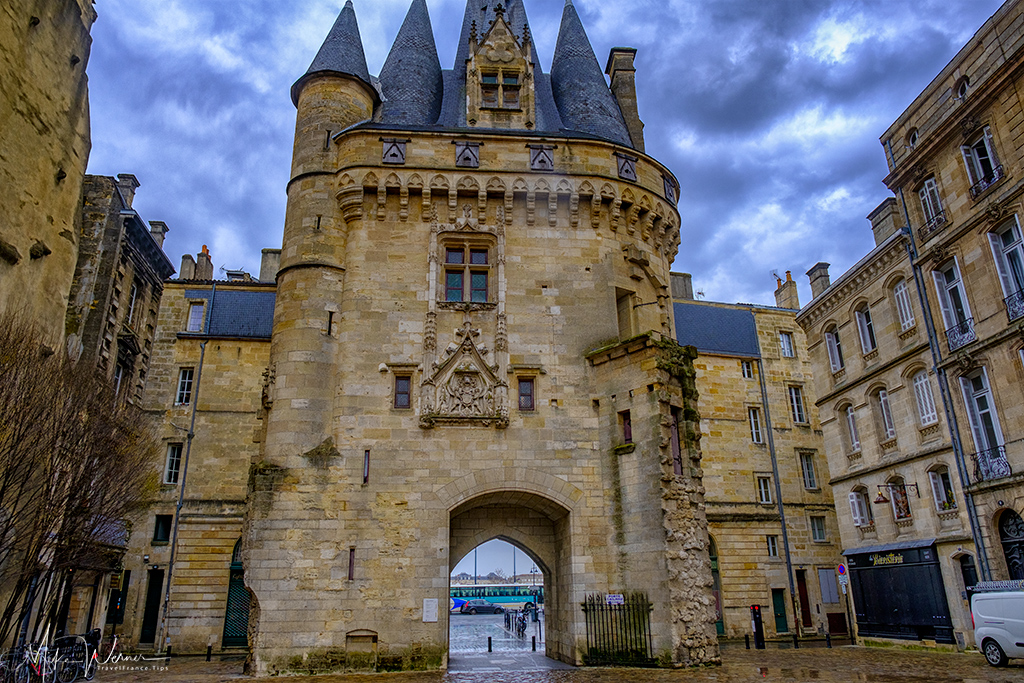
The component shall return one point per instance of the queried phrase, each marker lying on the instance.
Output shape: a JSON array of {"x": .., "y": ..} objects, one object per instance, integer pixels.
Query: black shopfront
[{"x": 898, "y": 592}]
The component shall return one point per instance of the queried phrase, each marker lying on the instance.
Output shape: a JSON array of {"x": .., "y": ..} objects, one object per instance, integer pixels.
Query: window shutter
[
  {"x": 937, "y": 492},
  {"x": 947, "y": 310},
  {"x": 833, "y": 352},
  {"x": 851, "y": 422},
  {"x": 972, "y": 171},
  {"x": 862, "y": 329},
  {"x": 855, "y": 509},
  {"x": 903, "y": 307},
  {"x": 1001, "y": 267},
  {"x": 990, "y": 145},
  {"x": 972, "y": 414}
]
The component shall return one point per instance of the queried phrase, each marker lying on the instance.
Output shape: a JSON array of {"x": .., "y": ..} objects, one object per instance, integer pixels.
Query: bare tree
[{"x": 75, "y": 463}]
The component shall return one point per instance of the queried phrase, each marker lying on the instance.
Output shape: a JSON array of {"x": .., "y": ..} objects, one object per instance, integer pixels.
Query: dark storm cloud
[{"x": 768, "y": 111}]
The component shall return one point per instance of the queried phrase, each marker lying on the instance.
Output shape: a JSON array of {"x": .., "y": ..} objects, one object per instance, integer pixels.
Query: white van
[{"x": 999, "y": 625}]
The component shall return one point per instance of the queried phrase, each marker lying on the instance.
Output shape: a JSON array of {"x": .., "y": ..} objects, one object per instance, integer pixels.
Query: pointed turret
[
  {"x": 342, "y": 52},
  {"x": 581, "y": 93},
  {"x": 411, "y": 79}
]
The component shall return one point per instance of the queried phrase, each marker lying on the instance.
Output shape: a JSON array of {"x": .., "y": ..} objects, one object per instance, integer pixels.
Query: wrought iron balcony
[
  {"x": 961, "y": 335},
  {"x": 985, "y": 183},
  {"x": 1015, "y": 305},
  {"x": 934, "y": 225},
  {"x": 991, "y": 464}
]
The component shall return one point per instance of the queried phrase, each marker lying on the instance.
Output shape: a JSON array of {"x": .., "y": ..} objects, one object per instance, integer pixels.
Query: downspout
[
  {"x": 944, "y": 393},
  {"x": 778, "y": 485}
]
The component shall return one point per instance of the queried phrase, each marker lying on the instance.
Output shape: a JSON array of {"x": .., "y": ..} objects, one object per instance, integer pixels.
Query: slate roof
[
  {"x": 573, "y": 101},
  {"x": 242, "y": 314},
  {"x": 577, "y": 82},
  {"x": 411, "y": 78},
  {"x": 342, "y": 51},
  {"x": 712, "y": 329}
]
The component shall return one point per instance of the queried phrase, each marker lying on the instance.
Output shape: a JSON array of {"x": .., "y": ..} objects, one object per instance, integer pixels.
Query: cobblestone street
[{"x": 841, "y": 664}]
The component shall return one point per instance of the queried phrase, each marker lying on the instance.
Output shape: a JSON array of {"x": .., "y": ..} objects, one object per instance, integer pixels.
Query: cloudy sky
[{"x": 768, "y": 111}]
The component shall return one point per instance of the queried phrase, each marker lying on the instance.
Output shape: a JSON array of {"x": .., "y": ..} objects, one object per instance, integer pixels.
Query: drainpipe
[
  {"x": 778, "y": 485},
  {"x": 944, "y": 393}
]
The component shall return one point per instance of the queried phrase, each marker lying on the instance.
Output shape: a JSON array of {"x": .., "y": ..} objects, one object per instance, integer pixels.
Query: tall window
[
  {"x": 773, "y": 545},
  {"x": 786, "y": 344},
  {"x": 866, "y": 329},
  {"x": 1009, "y": 256},
  {"x": 195, "y": 317},
  {"x": 748, "y": 369},
  {"x": 930, "y": 203},
  {"x": 526, "y": 401},
  {"x": 466, "y": 274},
  {"x": 807, "y": 468},
  {"x": 133, "y": 298},
  {"x": 983, "y": 167},
  {"x": 403, "y": 391},
  {"x": 500, "y": 90},
  {"x": 900, "y": 501},
  {"x": 796, "y": 405},
  {"x": 981, "y": 411},
  {"x": 626, "y": 423},
  {"x": 926, "y": 412},
  {"x": 852, "y": 434},
  {"x": 956, "y": 314},
  {"x": 162, "y": 529},
  {"x": 835, "y": 349},
  {"x": 886, "y": 423},
  {"x": 818, "y": 529},
  {"x": 754, "y": 415},
  {"x": 184, "y": 394},
  {"x": 942, "y": 489},
  {"x": 764, "y": 489},
  {"x": 173, "y": 467},
  {"x": 904, "y": 309},
  {"x": 860, "y": 508}
]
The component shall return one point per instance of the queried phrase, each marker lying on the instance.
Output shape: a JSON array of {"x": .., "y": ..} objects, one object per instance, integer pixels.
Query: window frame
[
  {"x": 754, "y": 421},
  {"x": 772, "y": 543},
  {"x": 399, "y": 392},
  {"x": 931, "y": 202},
  {"x": 763, "y": 486},
  {"x": 747, "y": 369},
  {"x": 185, "y": 386},
  {"x": 866, "y": 329},
  {"x": 175, "y": 451},
  {"x": 886, "y": 421},
  {"x": 898, "y": 491},
  {"x": 499, "y": 86},
  {"x": 852, "y": 433},
  {"x": 983, "y": 441},
  {"x": 626, "y": 426},
  {"x": 904, "y": 306},
  {"x": 786, "y": 344},
  {"x": 1009, "y": 259},
  {"x": 816, "y": 523},
  {"x": 835, "y": 349},
  {"x": 162, "y": 523},
  {"x": 976, "y": 175},
  {"x": 192, "y": 322},
  {"x": 465, "y": 272},
  {"x": 860, "y": 508},
  {"x": 942, "y": 489},
  {"x": 927, "y": 411},
  {"x": 807, "y": 471},
  {"x": 522, "y": 383},
  {"x": 796, "y": 405}
]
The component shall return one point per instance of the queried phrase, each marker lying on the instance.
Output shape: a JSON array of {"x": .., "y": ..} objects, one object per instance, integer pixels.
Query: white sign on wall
[{"x": 429, "y": 610}]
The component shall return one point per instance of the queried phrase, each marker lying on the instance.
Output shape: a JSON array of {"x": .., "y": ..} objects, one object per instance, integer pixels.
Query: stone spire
[
  {"x": 411, "y": 78},
  {"x": 342, "y": 51},
  {"x": 581, "y": 93}
]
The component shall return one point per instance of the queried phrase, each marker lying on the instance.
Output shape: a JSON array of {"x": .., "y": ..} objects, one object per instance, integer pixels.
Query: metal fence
[{"x": 618, "y": 630}]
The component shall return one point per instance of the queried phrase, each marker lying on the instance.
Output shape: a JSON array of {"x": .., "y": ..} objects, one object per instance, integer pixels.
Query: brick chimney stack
[
  {"x": 127, "y": 183},
  {"x": 819, "y": 278},
  {"x": 682, "y": 286},
  {"x": 188, "y": 268},
  {"x": 623, "y": 85},
  {"x": 786, "y": 295},
  {"x": 159, "y": 230},
  {"x": 204, "y": 265}
]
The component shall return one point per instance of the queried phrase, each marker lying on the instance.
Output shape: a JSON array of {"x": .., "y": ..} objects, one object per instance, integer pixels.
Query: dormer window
[{"x": 499, "y": 90}]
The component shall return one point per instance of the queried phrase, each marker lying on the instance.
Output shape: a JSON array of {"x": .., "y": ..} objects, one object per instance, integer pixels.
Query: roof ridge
[{"x": 411, "y": 77}]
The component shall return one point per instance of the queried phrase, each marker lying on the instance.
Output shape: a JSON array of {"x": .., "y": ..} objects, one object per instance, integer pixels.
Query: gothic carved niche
[{"x": 463, "y": 388}]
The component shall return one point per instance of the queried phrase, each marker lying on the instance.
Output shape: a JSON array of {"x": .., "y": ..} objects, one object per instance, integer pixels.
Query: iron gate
[{"x": 618, "y": 634}]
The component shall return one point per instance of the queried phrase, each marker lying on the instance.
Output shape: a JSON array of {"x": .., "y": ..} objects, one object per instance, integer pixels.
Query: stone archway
[
  {"x": 1011, "y": 535},
  {"x": 540, "y": 527}
]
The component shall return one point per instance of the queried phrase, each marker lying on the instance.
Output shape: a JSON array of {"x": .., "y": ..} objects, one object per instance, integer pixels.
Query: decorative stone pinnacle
[{"x": 499, "y": 9}]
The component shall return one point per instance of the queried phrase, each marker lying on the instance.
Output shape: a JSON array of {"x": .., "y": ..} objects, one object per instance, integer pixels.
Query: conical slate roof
[
  {"x": 411, "y": 78},
  {"x": 584, "y": 100},
  {"x": 342, "y": 51}
]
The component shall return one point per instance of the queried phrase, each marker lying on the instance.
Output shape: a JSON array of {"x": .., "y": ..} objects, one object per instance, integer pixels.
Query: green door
[
  {"x": 779, "y": 608},
  {"x": 236, "y": 620}
]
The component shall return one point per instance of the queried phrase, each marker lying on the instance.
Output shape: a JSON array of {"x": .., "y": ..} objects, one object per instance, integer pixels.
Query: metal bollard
[
  {"x": 828, "y": 640},
  {"x": 489, "y": 644},
  {"x": 534, "y": 643},
  {"x": 796, "y": 642},
  {"x": 209, "y": 652},
  {"x": 746, "y": 639}
]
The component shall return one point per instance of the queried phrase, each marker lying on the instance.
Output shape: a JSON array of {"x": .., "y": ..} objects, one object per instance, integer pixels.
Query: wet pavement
[
  {"x": 467, "y": 647},
  {"x": 838, "y": 665}
]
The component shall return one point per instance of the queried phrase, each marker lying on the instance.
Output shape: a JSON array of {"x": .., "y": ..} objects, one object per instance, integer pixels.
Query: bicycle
[{"x": 36, "y": 665}]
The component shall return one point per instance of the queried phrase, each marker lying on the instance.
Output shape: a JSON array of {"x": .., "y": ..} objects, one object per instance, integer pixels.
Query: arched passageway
[{"x": 1011, "y": 535}]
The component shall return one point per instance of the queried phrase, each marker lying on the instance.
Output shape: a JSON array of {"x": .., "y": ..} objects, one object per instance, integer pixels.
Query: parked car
[
  {"x": 481, "y": 606},
  {"x": 999, "y": 625}
]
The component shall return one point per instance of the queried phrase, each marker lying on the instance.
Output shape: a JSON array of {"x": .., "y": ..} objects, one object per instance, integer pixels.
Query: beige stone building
[
  {"x": 473, "y": 340},
  {"x": 775, "y": 538},
  {"x": 205, "y": 393},
  {"x": 44, "y": 148},
  {"x": 955, "y": 165}
]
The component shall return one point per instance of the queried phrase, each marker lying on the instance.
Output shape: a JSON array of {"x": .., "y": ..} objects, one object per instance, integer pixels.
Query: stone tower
[{"x": 472, "y": 340}]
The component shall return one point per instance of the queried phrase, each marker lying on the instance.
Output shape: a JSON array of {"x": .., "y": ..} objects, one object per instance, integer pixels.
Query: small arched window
[
  {"x": 860, "y": 507},
  {"x": 899, "y": 499},
  {"x": 926, "y": 412},
  {"x": 866, "y": 328},
  {"x": 835, "y": 349}
]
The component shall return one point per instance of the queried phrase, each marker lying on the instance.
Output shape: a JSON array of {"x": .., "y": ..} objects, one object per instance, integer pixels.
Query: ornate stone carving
[
  {"x": 464, "y": 388},
  {"x": 430, "y": 332},
  {"x": 965, "y": 361},
  {"x": 969, "y": 124},
  {"x": 995, "y": 212},
  {"x": 501, "y": 336}
]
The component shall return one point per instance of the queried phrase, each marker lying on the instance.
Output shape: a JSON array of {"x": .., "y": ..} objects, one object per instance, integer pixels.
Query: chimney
[
  {"x": 786, "y": 295},
  {"x": 623, "y": 84},
  {"x": 204, "y": 266},
  {"x": 127, "y": 183},
  {"x": 819, "y": 278},
  {"x": 158, "y": 229},
  {"x": 188, "y": 268},
  {"x": 269, "y": 265},
  {"x": 885, "y": 220},
  {"x": 682, "y": 286}
]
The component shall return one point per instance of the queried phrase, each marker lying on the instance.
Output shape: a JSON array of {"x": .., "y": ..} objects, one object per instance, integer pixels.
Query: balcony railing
[
  {"x": 985, "y": 183},
  {"x": 961, "y": 334},
  {"x": 934, "y": 225},
  {"x": 991, "y": 464},
  {"x": 1015, "y": 305}
]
